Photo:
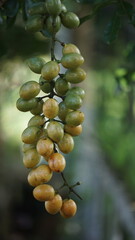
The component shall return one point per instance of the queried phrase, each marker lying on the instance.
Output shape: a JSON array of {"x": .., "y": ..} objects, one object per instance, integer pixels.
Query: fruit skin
[
  {"x": 73, "y": 131},
  {"x": 66, "y": 144},
  {"x": 37, "y": 8},
  {"x": 63, "y": 111},
  {"x": 34, "y": 23},
  {"x": 55, "y": 131},
  {"x": 39, "y": 175},
  {"x": 43, "y": 192},
  {"x": 73, "y": 101},
  {"x": 46, "y": 86},
  {"x": 70, "y": 20},
  {"x": 45, "y": 147},
  {"x": 57, "y": 162},
  {"x": 61, "y": 86},
  {"x": 36, "y": 121},
  {"x": 53, "y": 206},
  {"x": 75, "y": 75},
  {"x": 68, "y": 208},
  {"x": 38, "y": 109},
  {"x": 31, "y": 134},
  {"x": 53, "y": 24},
  {"x": 78, "y": 91},
  {"x": 63, "y": 8},
  {"x": 53, "y": 7},
  {"x": 36, "y": 64},
  {"x": 29, "y": 90},
  {"x": 27, "y": 147},
  {"x": 72, "y": 60},
  {"x": 70, "y": 48},
  {"x": 26, "y": 105},
  {"x": 50, "y": 108},
  {"x": 74, "y": 118},
  {"x": 50, "y": 70},
  {"x": 31, "y": 158}
]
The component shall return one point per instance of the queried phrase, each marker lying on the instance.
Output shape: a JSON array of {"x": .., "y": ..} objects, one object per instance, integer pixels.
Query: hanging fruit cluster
[{"x": 51, "y": 130}]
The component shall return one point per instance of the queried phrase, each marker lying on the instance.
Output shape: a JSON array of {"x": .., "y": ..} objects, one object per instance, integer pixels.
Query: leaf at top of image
[{"x": 112, "y": 29}]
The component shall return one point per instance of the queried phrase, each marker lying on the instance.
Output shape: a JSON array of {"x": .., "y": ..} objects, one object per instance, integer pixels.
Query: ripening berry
[
  {"x": 77, "y": 91},
  {"x": 36, "y": 121},
  {"x": 50, "y": 108},
  {"x": 38, "y": 109},
  {"x": 45, "y": 147},
  {"x": 29, "y": 90},
  {"x": 66, "y": 144},
  {"x": 43, "y": 192},
  {"x": 39, "y": 175},
  {"x": 63, "y": 111},
  {"x": 53, "y": 24},
  {"x": 73, "y": 101},
  {"x": 72, "y": 60},
  {"x": 70, "y": 48},
  {"x": 75, "y": 76},
  {"x": 50, "y": 70},
  {"x": 74, "y": 118},
  {"x": 36, "y": 64},
  {"x": 27, "y": 147},
  {"x": 31, "y": 134},
  {"x": 53, "y": 206},
  {"x": 68, "y": 208},
  {"x": 34, "y": 23},
  {"x": 53, "y": 7},
  {"x": 31, "y": 158},
  {"x": 70, "y": 20},
  {"x": 73, "y": 131},
  {"x": 26, "y": 105},
  {"x": 57, "y": 162},
  {"x": 55, "y": 131}
]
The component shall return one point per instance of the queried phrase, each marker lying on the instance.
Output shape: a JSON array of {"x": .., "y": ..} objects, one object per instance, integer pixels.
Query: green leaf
[
  {"x": 96, "y": 8},
  {"x": 112, "y": 29}
]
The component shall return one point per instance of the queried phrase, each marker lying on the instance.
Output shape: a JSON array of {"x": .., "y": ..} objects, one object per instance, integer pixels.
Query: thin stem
[
  {"x": 62, "y": 43},
  {"x": 70, "y": 187},
  {"x": 53, "y": 43}
]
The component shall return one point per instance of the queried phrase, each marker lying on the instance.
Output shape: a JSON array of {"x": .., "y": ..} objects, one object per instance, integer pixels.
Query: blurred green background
[{"x": 103, "y": 159}]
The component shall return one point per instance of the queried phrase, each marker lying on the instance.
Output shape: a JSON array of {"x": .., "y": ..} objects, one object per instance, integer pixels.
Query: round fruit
[
  {"x": 53, "y": 206},
  {"x": 36, "y": 121},
  {"x": 50, "y": 108},
  {"x": 63, "y": 111},
  {"x": 31, "y": 134},
  {"x": 63, "y": 8},
  {"x": 70, "y": 48},
  {"x": 73, "y": 131},
  {"x": 55, "y": 131},
  {"x": 45, "y": 147},
  {"x": 53, "y": 24},
  {"x": 34, "y": 23},
  {"x": 61, "y": 86},
  {"x": 57, "y": 162},
  {"x": 46, "y": 86},
  {"x": 75, "y": 76},
  {"x": 43, "y": 134},
  {"x": 50, "y": 70},
  {"x": 70, "y": 20},
  {"x": 29, "y": 90},
  {"x": 27, "y": 147},
  {"x": 43, "y": 192},
  {"x": 36, "y": 64},
  {"x": 31, "y": 158},
  {"x": 39, "y": 108},
  {"x": 74, "y": 118},
  {"x": 72, "y": 60},
  {"x": 73, "y": 101},
  {"x": 37, "y": 8},
  {"x": 39, "y": 175},
  {"x": 53, "y": 7},
  {"x": 68, "y": 208},
  {"x": 66, "y": 144},
  {"x": 78, "y": 91},
  {"x": 26, "y": 105}
]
